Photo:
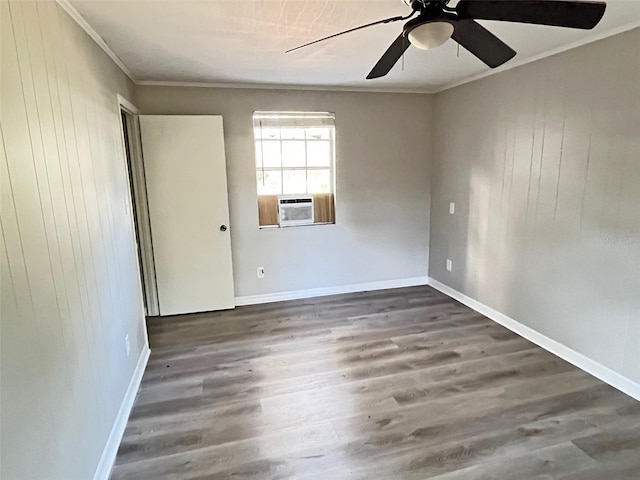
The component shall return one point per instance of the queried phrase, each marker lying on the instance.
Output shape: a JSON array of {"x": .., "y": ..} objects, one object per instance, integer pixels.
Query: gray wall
[
  {"x": 382, "y": 193},
  {"x": 543, "y": 162},
  {"x": 70, "y": 287}
]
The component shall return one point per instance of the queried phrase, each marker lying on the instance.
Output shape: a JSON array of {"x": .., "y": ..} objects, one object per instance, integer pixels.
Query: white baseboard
[
  {"x": 321, "y": 292},
  {"x": 113, "y": 442},
  {"x": 581, "y": 361}
]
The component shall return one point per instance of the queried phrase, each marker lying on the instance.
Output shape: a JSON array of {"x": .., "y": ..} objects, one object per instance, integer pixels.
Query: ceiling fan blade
[
  {"x": 482, "y": 43},
  {"x": 390, "y": 57},
  {"x": 558, "y": 13},
  {"x": 386, "y": 20}
]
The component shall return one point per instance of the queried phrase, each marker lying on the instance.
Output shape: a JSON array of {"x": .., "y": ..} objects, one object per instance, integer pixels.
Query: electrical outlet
[
  {"x": 260, "y": 272},
  {"x": 452, "y": 208},
  {"x": 127, "y": 344},
  {"x": 449, "y": 265}
]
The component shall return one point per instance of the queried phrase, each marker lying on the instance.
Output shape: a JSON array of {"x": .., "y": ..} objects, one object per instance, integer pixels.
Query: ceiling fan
[{"x": 436, "y": 22}]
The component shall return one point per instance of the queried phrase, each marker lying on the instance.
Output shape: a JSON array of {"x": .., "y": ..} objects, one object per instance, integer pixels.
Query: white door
[{"x": 188, "y": 208}]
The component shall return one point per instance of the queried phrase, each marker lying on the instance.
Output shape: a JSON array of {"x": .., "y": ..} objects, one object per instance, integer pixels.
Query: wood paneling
[
  {"x": 396, "y": 384},
  {"x": 324, "y": 208},
  {"x": 543, "y": 162},
  {"x": 268, "y": 210},
  {"x": 70, "y": 286}
]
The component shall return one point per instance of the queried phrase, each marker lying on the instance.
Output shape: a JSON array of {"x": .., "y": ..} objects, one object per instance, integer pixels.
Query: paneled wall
[
  {"x": 543, "y": 162},
  {"x": 70, "y": 285}
]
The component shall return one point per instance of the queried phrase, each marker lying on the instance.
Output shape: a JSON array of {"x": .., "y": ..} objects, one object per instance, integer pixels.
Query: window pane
[
  {"x": 318, "y": 133},
  {"x": 292, "y": 133},
  {"x": 269, "y": 183},
  {"x": 295, "y": 181},
  {"x": 267, "y": 133},
  {"x": 293, "y": 154},
  {"x": 318, "y": 154},
  {"x": 319, "y": 181},
  {"x": 271, "y": 154}
]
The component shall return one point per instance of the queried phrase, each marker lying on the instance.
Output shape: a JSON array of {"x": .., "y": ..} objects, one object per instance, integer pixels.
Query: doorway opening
[{"x": 138, "y": 199}]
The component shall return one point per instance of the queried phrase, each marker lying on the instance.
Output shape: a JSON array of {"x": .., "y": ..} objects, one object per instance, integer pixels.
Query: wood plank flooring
[{"x": 396, "y": 384}]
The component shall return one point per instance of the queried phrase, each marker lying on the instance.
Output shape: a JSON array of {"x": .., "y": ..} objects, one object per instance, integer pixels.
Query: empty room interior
[{"x": 320, "y": 240}]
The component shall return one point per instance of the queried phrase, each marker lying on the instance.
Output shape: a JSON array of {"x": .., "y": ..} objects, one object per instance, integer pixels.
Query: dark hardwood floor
[{"x": 397, "y": 384}]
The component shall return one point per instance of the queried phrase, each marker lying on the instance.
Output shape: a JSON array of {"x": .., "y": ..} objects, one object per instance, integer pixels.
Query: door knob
[{"x": 223, "y": 228}]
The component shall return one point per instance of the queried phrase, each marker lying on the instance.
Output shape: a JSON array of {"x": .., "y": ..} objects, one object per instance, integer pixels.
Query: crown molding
[
  {"x": 73, "y": 13},
  {"x": 535, "y": 58},
  {"x": 269, "y": 86},
  {"x": 320, "y": 88}
]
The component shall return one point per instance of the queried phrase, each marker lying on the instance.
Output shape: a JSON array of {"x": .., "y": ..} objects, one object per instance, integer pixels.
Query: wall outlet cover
[
  {"x": 452, "y": 208},
  {"x": 449, "y": 265}
]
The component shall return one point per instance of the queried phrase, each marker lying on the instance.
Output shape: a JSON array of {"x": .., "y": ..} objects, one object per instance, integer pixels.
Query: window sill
[{"x": 278, "y": 227}]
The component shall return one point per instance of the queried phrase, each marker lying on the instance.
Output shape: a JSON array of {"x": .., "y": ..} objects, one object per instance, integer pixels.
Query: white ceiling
[{"x": 243, "y": 42}]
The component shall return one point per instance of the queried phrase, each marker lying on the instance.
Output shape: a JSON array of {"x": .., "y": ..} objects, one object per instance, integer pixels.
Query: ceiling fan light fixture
[
  {"x": 430, "y": 35},
  {"x": 437, "y": 21}
]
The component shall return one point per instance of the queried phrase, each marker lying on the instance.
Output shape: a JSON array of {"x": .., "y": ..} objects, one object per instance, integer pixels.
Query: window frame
[{"x": 306, "y": 168}]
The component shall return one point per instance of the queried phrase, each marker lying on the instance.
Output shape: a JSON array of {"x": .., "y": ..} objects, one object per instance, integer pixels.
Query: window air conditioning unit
[{"x": 295, "y": 210}]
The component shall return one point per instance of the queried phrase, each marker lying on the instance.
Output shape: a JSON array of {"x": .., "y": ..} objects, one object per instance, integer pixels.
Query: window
[{"x": 295, "y": 154}]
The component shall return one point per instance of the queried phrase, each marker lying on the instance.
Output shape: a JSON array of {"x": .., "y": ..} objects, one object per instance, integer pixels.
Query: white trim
[
  {"x": 322, "y": 88},
  {"x": 108, "y": 457},
  {"x": 581, "y": 361},
  {"x": 148, "y": 286},
  {"x": 540, "y": 56},
  {"x": 321, "y": 292},
  {"x": 127, "y": 105},
  {"x": 270, "y": 86},
  {"x": 73, "y": 13},
  {"x": 422, "y": 90}
]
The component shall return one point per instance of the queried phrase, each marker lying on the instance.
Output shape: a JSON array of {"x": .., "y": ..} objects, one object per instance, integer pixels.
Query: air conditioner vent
[{"x": 295, "y": 210}]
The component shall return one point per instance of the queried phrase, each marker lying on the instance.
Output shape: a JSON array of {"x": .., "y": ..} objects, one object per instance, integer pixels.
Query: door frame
[{"x": 138, "y": 205}]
